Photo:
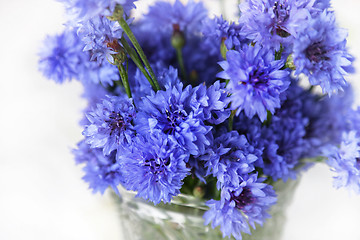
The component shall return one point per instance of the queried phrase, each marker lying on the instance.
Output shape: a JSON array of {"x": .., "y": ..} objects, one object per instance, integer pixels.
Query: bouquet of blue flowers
[{"x": 179, "y": 102}]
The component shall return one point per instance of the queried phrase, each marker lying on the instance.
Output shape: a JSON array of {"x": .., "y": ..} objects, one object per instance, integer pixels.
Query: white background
[{"x": 42, "y": 195}]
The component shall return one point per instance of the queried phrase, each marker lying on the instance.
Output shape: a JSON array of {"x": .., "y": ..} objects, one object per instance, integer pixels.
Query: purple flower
[
  {"x": 273, "y": 22},
  {"x": 60, "y": 56},
  {"x": 228, "y": 158},
  {"x": 256, "y": 80},
  {"x": 83, "y": 10},
  {"x": 154, "y": 167},
  {"x": 320, "y": 53},
  {"x": 240, "y": 206},
  {"x": 163, "y": 15},
  {"x": 101, "y": 36},
  {"x": 345, "y": 161},
  {"x": 110, "y": 124},
  {"x": 101, "y": 171},
  {"x": 91, "y": 72},
  {"x": 217, "y": 30},
  {"x": 175, "y": 113}
]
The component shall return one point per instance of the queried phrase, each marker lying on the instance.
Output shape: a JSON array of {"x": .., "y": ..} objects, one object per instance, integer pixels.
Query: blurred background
[{"x": 42, "y": 195}]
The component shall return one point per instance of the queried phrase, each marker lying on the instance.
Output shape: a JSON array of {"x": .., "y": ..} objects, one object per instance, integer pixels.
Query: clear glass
[{"x": 182, "y": 219}]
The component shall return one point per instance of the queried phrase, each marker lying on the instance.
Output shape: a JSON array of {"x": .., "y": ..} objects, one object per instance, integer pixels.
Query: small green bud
[
  {"x": 223, "y": 48},
  {"x": 198, "y": 192},
  {"x": 193, "y": 76},
  {"x": 178, "y": 38},
  {"x": 268, "y": 119},
  {"x": 290, "y": 62},
  {"x": 120, "y": 56}
]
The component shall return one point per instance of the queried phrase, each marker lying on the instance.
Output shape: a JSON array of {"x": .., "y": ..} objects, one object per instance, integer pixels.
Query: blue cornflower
[
  {"x": 91, "y": 72},
  {"x": 215, "y": 110},
  {"x": 110, "y": 124},
  {"x": 284, "y": 143},
  {"x": 167, "y": 77},
  {"x": 273, "y": 22},
  {"x": 256, "y": 80},
  {"x": 240, "y": 206},
  {"x": 163, "y": 16},
  {"x": 101, "y": 171},
  {"x": 328, "y": 118},
  {"x": 320, "y": 53},
  {"x": 252, "y": 129},
  {"x": 217, "y": 30},
  {"x": 83, "y": 10},
  {"x": 175, "y": 113},
  {"x": 154, "y": 167},
  {"x": 101, "y": 37},
  {"x": 322, "y": 4},
  {"x": 229, "y": 157},
  {"x": 345, "y": 161},
  {"x": 61, "y": 56}
]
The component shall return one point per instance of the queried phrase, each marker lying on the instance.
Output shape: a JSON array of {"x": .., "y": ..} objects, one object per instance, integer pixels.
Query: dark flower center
[
  {"x": 245, "y": 198},
  {"x": 282, "y": 13},
  {"x": 157, "y": 166},
  {"x": 173, "y": 119},
  {"x": 259, "y": 79},
  {"x": 316, "y": 52},
  {"x": 116, "y": 123}
]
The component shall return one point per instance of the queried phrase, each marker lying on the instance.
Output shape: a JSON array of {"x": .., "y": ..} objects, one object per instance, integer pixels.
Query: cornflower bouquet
[{"x": 180, "y": 102}]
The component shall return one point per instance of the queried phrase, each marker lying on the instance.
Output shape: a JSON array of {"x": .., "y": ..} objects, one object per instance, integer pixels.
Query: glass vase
[{"x": 182, "y": 219}]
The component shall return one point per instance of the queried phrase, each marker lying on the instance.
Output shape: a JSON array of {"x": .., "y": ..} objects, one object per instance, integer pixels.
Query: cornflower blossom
[
  {"x": 241, "y": 206},
  {"x": 284, "y": 141},
  {"x": 229, "y": 157},
  {"x": 60, "y": 56},
  {"x": 110, "y": 124},
  {"x": 273, "y": 22},
  {"x": 154, "y": 167},
  {"x": 256, "y": 80},
  {"x": 101, "y": 171},
  {"x": 225, "y": 131},
  {"x": 345, "y": 161},
  {"x": 187, "y": 17},
  {"x": 83, "y": 10},
  {"x": 175, "y": 113},
  {"x": 320, "y": 53},
  {"x": 101, "y": 37},
  {"x": 217, "y": 30}
]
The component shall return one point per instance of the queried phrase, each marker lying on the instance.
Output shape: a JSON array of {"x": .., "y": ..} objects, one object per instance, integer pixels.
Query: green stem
[
  {"x": 139, "y": 50},
  {"x": 231, "y": 120},
  {"x": 124, "y": 79},
  {"x": 180, "y": 60},
  {"x": 133, "y": 55}
]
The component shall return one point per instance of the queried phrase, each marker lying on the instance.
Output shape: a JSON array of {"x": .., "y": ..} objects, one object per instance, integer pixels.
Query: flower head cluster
[
  {"x": 345, "y": 161},
  {"x": 60, "y": 58},
  {"x": 187, "y": 17},
  {"x": 256, "y": 80},
  {"x": 174, "y": 113},
  {"x": 273, "y": 22},
  {"x": 101, "y": 171},
  {"x": 229, "y": 157},
  {"x": 154, "y": 167},
  {"x": 83, "y": 10},
  {"x": 110, "y": 124},
  {"x": 320, "y": 53},
  {"x": 101, "y": 37},
  {"x": 241, "y": 206},
  {"x": 181, "y": 103},
  {"x": 218, "y": 30}
]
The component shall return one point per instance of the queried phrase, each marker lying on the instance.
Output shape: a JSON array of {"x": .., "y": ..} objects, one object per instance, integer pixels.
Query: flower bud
[{"x": 178, "y": 38}]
